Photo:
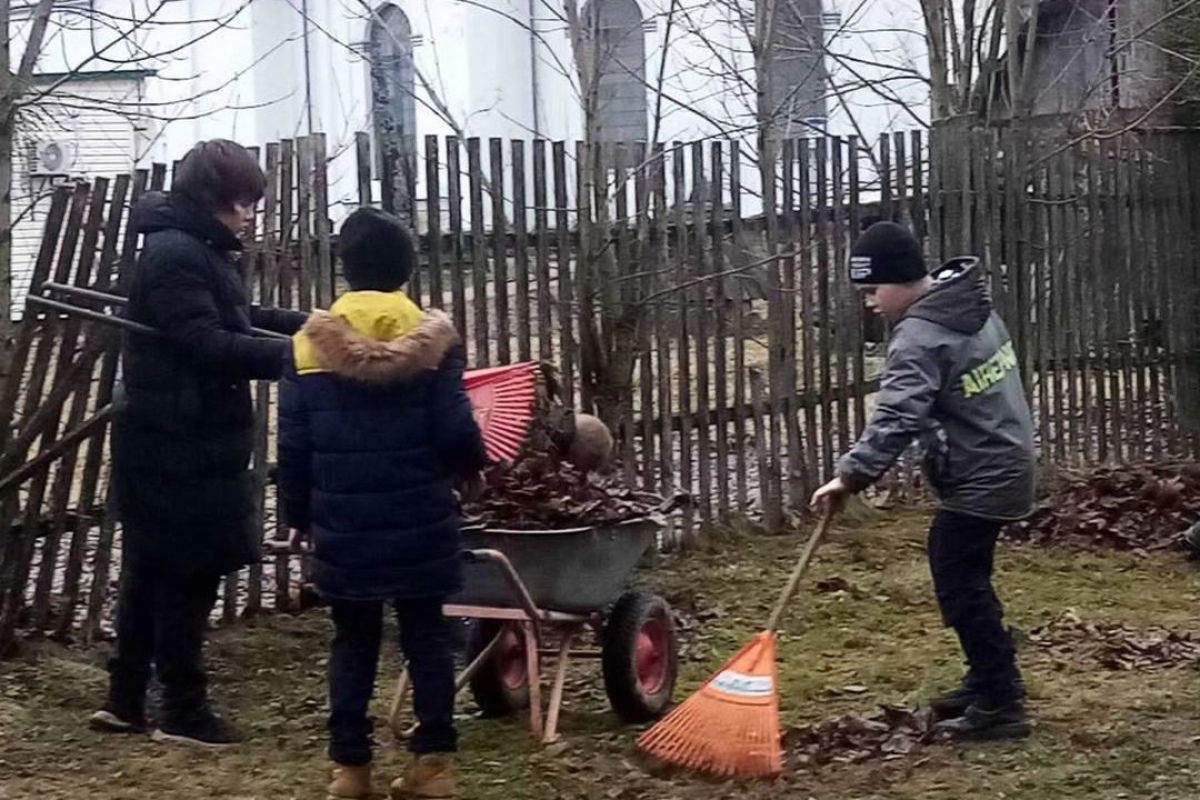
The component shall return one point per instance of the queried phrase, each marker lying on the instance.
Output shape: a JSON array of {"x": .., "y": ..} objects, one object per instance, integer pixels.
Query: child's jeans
[
  {"x": 962, "y": 549},
  {"x": 425, "y": 640}
]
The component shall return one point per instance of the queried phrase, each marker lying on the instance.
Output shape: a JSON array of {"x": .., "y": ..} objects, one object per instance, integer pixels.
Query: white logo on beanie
[{"x": 860, "y": 267}]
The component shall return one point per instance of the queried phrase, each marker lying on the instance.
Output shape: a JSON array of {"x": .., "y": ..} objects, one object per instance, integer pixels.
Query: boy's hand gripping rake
[{"x": 730, "y": 728}]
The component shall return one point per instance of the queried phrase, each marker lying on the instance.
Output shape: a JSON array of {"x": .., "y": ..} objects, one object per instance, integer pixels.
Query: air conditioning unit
[{"x": 54, "y": 157}]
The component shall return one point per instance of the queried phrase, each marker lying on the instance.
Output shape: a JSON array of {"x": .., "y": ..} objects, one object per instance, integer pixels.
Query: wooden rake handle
[{"x": 793, "y": 584}]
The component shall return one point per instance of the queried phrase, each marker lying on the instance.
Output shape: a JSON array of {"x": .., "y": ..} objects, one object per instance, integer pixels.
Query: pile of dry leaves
[
  {"x": 542, "y": 491},
  {"x": 1127, "y": 508},
  {"x": 890, "y": 733},
  {"x": 1116, "y": 647}
]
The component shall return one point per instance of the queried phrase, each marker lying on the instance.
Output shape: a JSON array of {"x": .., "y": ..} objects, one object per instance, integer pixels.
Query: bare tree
[
  {"x": 29, "y": 102},
  {"x": 13, "y": 87}
]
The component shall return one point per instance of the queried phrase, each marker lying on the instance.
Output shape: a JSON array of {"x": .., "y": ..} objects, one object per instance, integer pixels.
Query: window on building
[
  {"x": 617, "y": 29},
  {"x": 394, "y": 106}
]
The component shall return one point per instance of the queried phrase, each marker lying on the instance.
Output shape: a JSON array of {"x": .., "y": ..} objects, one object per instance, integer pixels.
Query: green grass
[{"x": 1099, "y": 734}]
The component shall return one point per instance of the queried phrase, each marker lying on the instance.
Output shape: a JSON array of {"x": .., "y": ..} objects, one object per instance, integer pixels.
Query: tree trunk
[{"x": 7, "y": 120}]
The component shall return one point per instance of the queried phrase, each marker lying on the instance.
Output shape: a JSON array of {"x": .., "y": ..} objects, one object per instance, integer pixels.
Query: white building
[{"x": 115, "y": 92}]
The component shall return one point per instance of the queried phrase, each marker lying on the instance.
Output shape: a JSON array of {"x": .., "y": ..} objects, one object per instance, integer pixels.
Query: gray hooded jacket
[{"x": 952, "y": 379}]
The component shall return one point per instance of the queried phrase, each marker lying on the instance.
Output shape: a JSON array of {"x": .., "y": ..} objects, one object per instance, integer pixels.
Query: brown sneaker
[
  {"x": 351, "y": 782},
  {"x": 430, "y": 776}
]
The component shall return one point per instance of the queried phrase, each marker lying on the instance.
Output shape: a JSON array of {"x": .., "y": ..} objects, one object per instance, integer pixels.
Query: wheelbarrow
[{"x": 534, "y": 594}]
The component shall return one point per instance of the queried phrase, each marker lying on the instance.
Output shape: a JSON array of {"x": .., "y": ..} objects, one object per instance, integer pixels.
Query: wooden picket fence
[
  {"x": 751, "y": 365},
  {"x": 1091, "y": 246}
]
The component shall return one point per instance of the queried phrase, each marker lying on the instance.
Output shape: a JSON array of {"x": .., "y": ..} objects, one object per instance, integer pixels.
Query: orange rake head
[
  {"x": 503, "y": 401},
  {"x": 730, "y": 728}
]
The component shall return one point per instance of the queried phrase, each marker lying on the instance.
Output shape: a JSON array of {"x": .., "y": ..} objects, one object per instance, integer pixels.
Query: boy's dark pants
[
  {"x": 961, "y": 554},
  {"x": 425, "y": 639},
  {"x": 161, "y": 618}
]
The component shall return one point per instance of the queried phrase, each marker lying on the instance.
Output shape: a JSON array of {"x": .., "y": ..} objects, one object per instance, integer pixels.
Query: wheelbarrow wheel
[
  {"x": 501, "y": 686},
  {"x": 638, "y": 654}
]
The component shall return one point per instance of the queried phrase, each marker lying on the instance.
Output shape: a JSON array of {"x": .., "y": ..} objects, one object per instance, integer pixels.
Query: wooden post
[
  {"x": 703, "y": 362},
  {"x": 433, "y": 207},
  {"x": 667, "y": 471},
  {"x": 325, "y": 277},
  {"x": 500, "y": 251},
  {"x": 566, "y": 293},
  {"x": 719, "y": 296},
  {"x": 362, "y": 151},
  {"x": 823, "y": 308},
  {"x": 683, "y": 318},
  {"x": 808, "y": 347},
  {"x": 458, "y": 263},
  {"x": 479, "y": 272},
  {"x": 304, "y": 206},
  {"x": 784, "y": 395},
  {"x": 739, "y": 259},
  {"x": 637, "y": 274},
  {"x": 541, "y": 225},
  {"x": 856, "y": 306},
  {"x": 520, "y": 216},
  {"x": 841, "y": 325}
]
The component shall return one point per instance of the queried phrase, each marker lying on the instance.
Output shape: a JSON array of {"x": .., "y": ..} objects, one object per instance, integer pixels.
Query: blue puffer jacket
[{"x": 374, "y": 426}]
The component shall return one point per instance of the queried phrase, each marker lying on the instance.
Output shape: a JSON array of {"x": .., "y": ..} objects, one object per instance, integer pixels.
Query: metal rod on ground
[{"x": 111, "y": 299}]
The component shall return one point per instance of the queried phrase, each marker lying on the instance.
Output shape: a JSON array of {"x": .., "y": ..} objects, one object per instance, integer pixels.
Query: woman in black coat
[{"x": 183, "y": 436}]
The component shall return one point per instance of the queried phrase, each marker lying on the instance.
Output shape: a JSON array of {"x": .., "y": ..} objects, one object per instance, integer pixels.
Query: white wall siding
[{"x": 81, "y": 116}]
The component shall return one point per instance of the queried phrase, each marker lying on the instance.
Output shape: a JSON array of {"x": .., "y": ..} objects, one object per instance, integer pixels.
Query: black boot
[
  {"x": 955, "y": 703},
  {"x": 125, "y": 711},
  {"x": 990, "y": 720},
  {"x": 201, "y": 728},
  {"x": 114, "y": 718}
]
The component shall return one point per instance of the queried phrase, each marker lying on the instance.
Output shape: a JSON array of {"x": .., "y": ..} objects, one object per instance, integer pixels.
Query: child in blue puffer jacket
[{"x": 375, "y": 427}]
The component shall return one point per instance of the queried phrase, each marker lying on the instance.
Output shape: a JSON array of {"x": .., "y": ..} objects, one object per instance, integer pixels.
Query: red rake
[
  {"x": 503, "y": 400},
  {"x": 730, "y": 728}
]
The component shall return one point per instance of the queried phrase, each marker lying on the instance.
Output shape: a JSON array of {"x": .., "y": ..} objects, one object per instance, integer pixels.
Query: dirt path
[{"x": 1106, "y": 728}]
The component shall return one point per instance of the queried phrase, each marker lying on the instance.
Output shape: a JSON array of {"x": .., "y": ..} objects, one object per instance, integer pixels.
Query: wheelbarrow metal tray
[{"x": 579, "y": 571}]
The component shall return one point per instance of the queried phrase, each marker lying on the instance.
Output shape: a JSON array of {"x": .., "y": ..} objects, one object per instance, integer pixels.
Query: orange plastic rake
[
  {"x": 503, "y": 400},
  {"x": 730, "y": 728}
]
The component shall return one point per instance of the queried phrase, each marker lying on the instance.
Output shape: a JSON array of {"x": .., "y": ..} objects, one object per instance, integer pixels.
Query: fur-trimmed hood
[{"x": 374, "y": 337}]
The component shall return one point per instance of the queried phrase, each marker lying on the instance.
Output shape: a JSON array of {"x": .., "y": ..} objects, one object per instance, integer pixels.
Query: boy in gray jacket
[{"x": 952, "y": 381}]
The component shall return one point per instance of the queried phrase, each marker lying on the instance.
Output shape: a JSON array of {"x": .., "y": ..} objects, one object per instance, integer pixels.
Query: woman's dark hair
[
  {"x": 376, "y": 251},
  {"x": 219, "y": 173}
]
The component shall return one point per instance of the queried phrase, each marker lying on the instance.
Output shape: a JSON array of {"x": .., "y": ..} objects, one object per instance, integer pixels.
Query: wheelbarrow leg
[
  {"x": 535, "y": 678},
  {"x": 460, "y": 683},
  {"x": 397, "y": 704},
  {"x": 560, "y": 679}
]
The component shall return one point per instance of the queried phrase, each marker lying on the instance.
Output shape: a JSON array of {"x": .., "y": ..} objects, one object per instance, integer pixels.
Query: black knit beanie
[
  {"x": 376, "y": 251},
  {"x": 886, "y": 253}
]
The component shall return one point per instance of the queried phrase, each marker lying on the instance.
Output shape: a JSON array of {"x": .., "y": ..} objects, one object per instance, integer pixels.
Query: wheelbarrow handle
[
  {"x": 289, "y": 546},
  {"x": 675, "y": 502},
  {"x": 511, "y": 577}
]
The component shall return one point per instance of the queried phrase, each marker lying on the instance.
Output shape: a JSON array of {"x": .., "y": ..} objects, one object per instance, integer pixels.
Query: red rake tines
[
  {"x": 503, "y": 400},
  {"x": 730, "y": 728}
]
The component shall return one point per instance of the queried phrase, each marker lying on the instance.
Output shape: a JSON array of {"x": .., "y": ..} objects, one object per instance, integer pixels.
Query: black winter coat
[
  {"x": 371, "y": 438},
  {"x": 183, "y": 431}
]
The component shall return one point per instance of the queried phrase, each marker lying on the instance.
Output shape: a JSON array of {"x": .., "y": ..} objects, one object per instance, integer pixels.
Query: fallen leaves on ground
[
  {"x": 890, "y": 733},
  {"x": 1143, "y": 507},
  {"x": 1114, "y": 646}
]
